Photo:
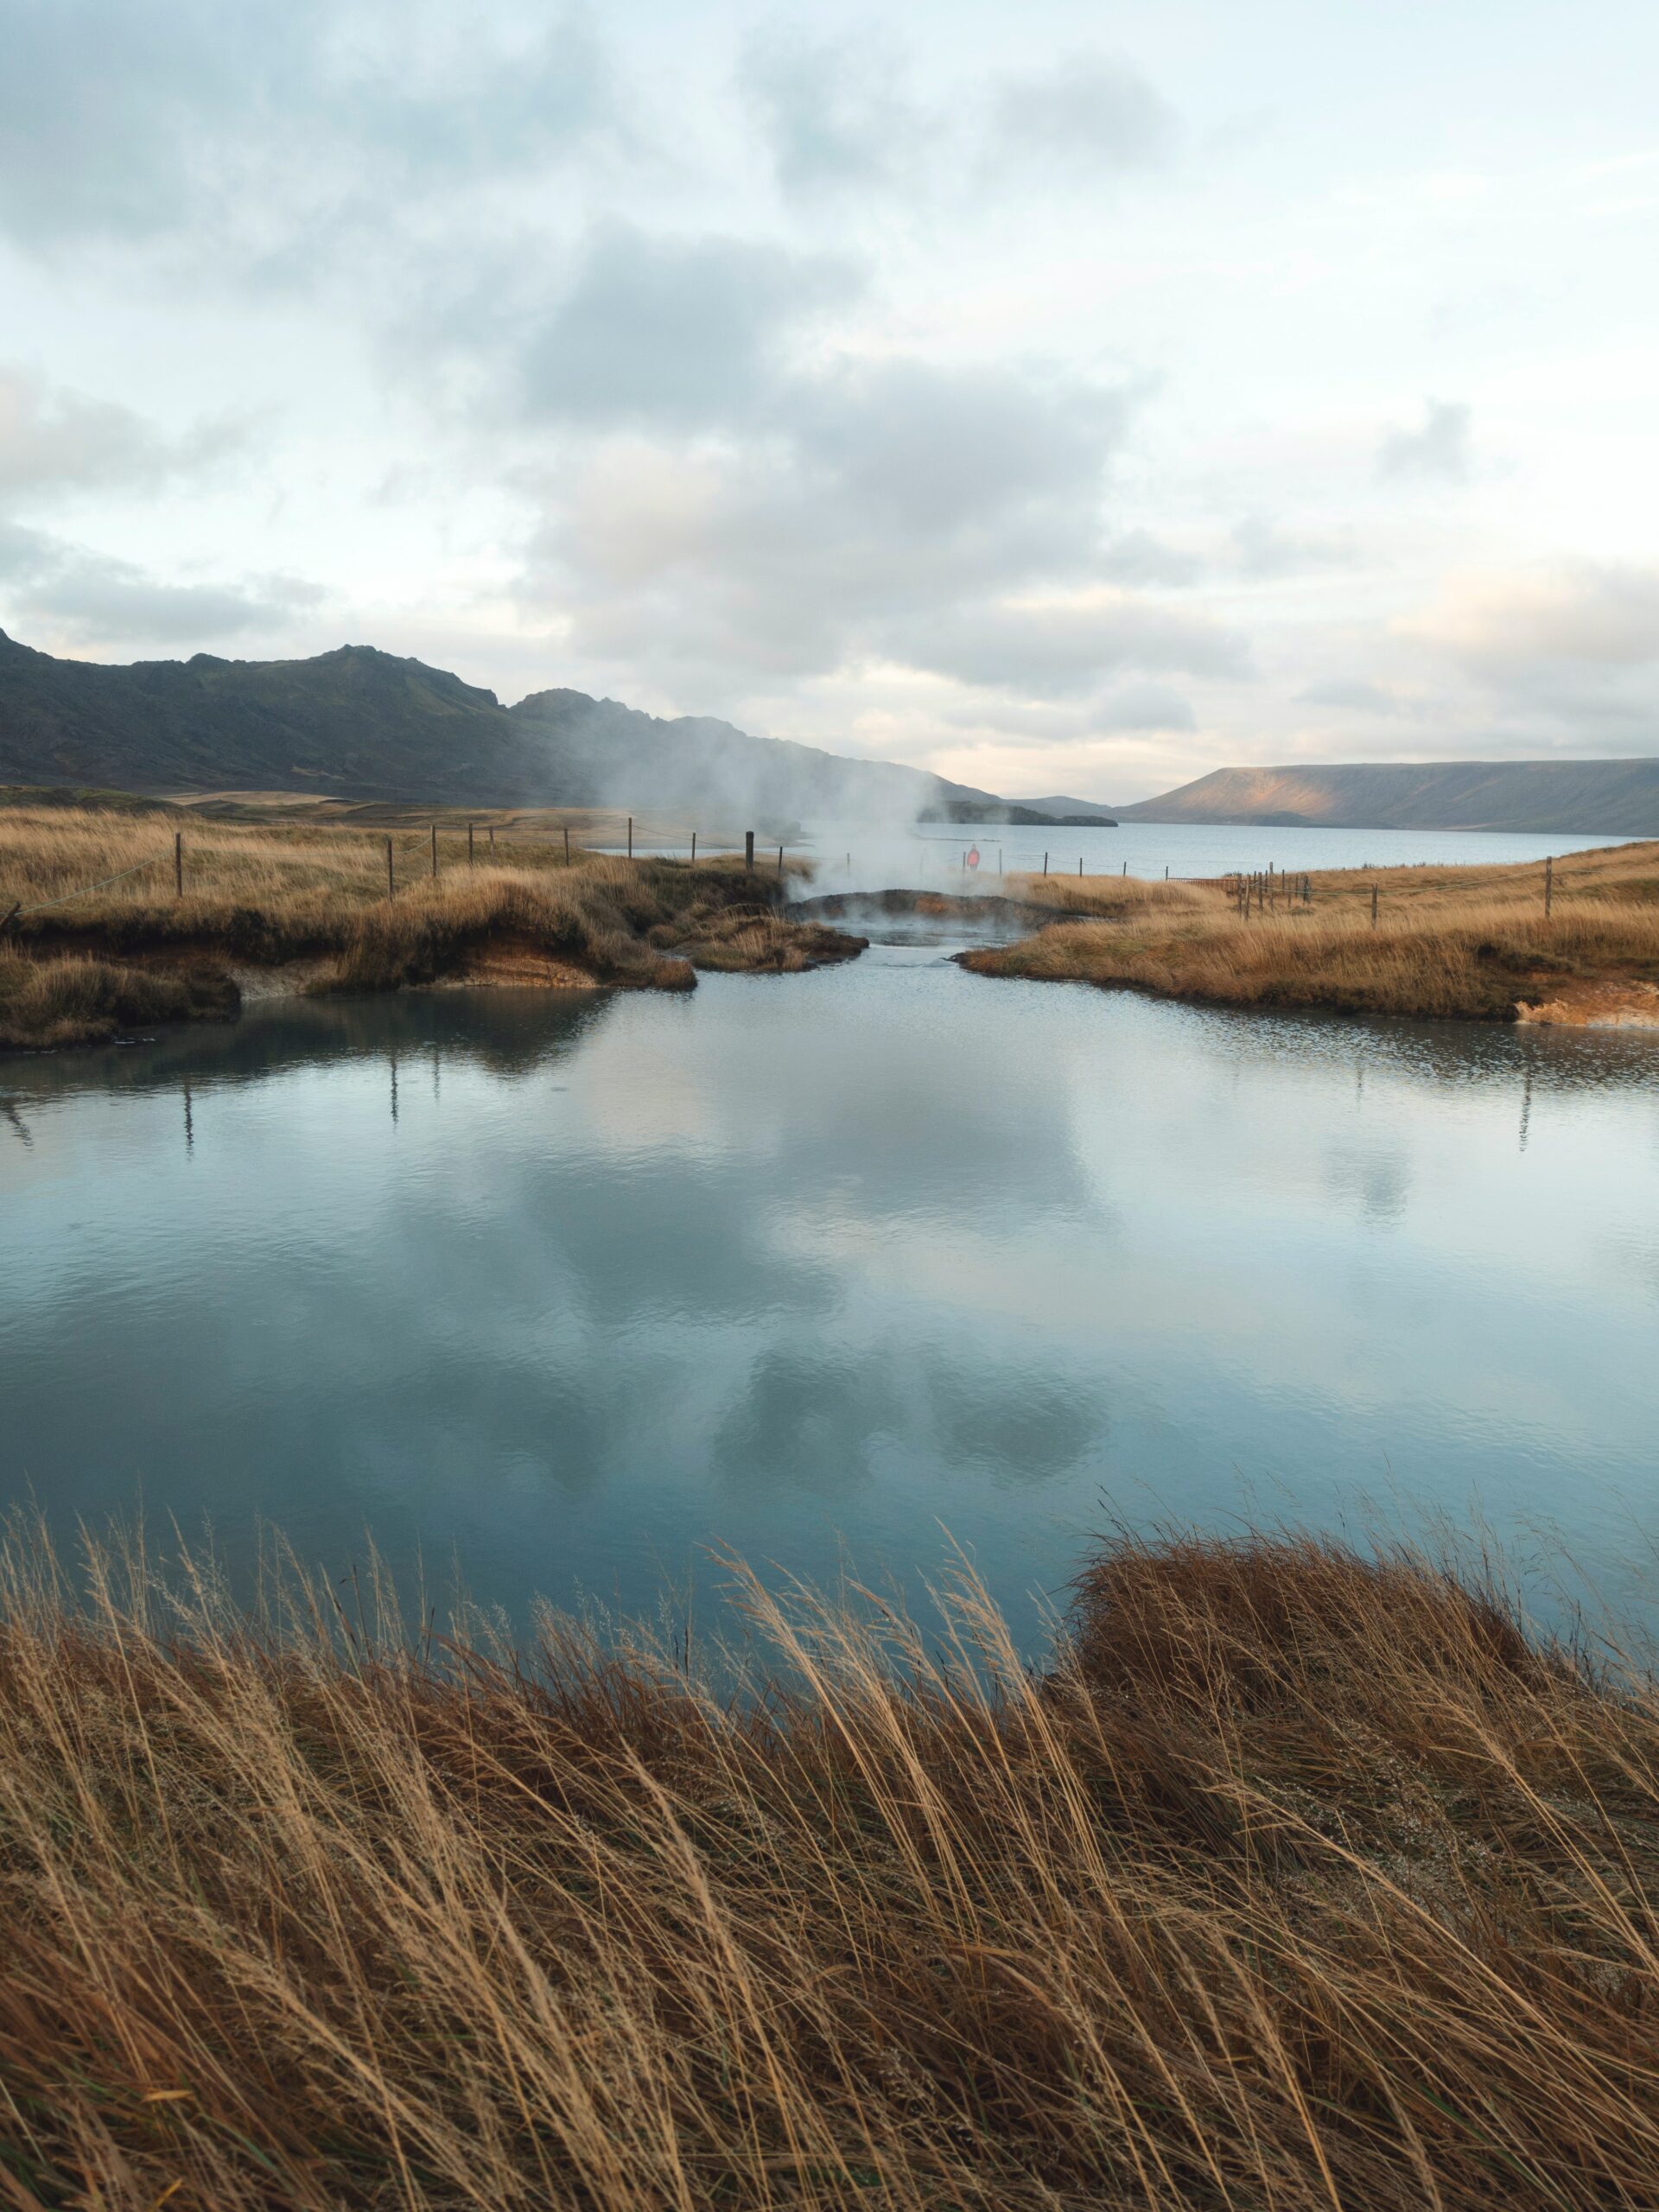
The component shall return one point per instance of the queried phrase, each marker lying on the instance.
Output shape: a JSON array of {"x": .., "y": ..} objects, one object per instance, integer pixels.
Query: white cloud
[
  {"x": 1438, "y": 448},
  {"x": 1355, "y": 695},
  {"x": 879, "y": 498},
  {"x": 1506, "y": 628},
  {"x": 670, "y": 330},
  {"x": 1264, "y": 551},
  {"x": 833, "y": 111},
  {"x": 54, "y": 440},
  {"x": 253, "y": 126},
  {"x": 87, "y": 598},
  {"x": 1089, "y": 112},
  {"x": 1068, "y": 646}
]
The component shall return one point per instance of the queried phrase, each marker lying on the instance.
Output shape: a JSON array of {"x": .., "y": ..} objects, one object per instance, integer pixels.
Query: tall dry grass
[
  {"x": 1446, "y": 942},
  {"x": 302, "y": 876},
  {"x": 1111, "y": 897},
  {"x": 1296, "y": 1880}
]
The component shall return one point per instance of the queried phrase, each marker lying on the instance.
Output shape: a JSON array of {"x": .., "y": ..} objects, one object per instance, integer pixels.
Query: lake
[
  {"x": 570, "y": 1289},
  {"x": 869, "y": 857}
]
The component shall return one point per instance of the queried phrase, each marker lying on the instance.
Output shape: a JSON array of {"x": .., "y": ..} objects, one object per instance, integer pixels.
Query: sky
[{"x": 1070, "y": 399}]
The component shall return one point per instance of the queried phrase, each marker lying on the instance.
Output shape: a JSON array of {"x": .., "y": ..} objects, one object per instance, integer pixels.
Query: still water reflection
[{"x": 818, "y": 1267}]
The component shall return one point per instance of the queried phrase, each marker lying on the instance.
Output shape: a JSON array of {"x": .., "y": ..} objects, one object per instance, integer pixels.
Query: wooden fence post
[
  {"x": 1549, "y": 884},
  {"x": 1044, "y": 864},
  {"x": 435, "y": 852},
  {"x": 749, "y": 850},
  {"x": 630, "y": 836},
  {"x": 566, "y": 844},
  {"x": 694, "y": 848},
  {"x": 1373, "y": 905},
  {"x": 178, "y": 864},
  {"x": 469, "y": 845},
  {"x": 780, "y": 860}
]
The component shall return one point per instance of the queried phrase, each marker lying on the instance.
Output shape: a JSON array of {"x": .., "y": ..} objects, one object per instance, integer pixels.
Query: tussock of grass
[
  {"x": 754, "y": 941},
  {"x": 1447, "y": 941},
  {"x": 578, "y": 916},
  {"x": 1296, "y": 1880},
  {"x": 78, "y": 1000}
]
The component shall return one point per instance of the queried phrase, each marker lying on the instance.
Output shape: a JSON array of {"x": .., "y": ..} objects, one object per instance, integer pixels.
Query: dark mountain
[
  {"x": 1594, "y": 797},
  {"x": 358, "y": 723}
]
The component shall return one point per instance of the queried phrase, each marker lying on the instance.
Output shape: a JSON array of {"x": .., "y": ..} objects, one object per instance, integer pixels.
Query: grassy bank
[
  {"x": 1296, "y": 1880},
  {"x": 105, "y": 938},
  {"x": 1466, "y": 941}
]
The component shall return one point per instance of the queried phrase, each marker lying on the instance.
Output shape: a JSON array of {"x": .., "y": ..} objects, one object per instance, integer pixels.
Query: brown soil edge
[{"x": 1580, "y": 1003}]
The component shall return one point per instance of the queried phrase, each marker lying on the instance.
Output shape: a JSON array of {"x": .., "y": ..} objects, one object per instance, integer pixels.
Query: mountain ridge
[
  {"x": 358, "y": 722},
  {"x": 1589, "y": 798}
]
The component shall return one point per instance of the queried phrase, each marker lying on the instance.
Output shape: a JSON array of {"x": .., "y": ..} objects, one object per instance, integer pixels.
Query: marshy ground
[
  {"x": 1293, "y": 1876},
  {"x": 1474, "y": 942},
  {"x": 110, "y": 926}
]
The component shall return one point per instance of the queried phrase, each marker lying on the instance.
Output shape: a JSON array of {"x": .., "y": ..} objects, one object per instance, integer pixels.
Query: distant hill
[
  {"x": 1076, "y": 810},
  {"x": 1595, "y": 798},
  {"x": 358, "y": 723}
]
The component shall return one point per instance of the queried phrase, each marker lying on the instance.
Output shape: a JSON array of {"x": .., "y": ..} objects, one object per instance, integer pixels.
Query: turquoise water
[{"x": 823, "y": 1268}]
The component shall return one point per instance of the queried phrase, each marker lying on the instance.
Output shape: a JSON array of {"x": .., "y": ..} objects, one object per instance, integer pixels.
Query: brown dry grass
[
  {"x": 1468, "y": 942},
  {"x": 1109, "y": 896},
  {"x": 80, "y": 1000},
  {"x": 1297, "y": 1880},
  {"x": 267, "y": 892}
]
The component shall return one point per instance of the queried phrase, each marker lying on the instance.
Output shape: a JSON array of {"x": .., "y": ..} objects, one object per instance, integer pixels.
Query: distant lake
[
  {"x": 567, "y": 1289},
  {"x": 881, "y": 859}
]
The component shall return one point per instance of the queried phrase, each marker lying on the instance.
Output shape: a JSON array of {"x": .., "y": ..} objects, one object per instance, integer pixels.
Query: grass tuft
[{"x": 1296, "y": 1878}]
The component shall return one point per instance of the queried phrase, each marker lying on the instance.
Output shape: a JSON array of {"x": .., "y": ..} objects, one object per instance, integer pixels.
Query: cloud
[
  {"x": 1128, "y": 708},
  {"x": 672, "y": 331},
  {"x": 1139, "y": 557},
  {"x": 1143, "y": 706},
  {"x": 121, "y": 120},
  {"x": 881, "y": 496},
  {"x": 53, "y": 440},
  {"x": 88, "y": 597},
  {"x": 1262, "y": 551},
  {"x": 831, "y": 111},
  {"x": 1438, "y": 448},
  {"x": 1058, "y": 647},
  {"x": 1089, "y": 114},
  {"x": 1359, "y": 697},
  {"x": 1506, "y": 628}
]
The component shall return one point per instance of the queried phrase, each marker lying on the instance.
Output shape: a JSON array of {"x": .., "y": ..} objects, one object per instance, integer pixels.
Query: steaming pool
[{"x": 830, "y": 1269}]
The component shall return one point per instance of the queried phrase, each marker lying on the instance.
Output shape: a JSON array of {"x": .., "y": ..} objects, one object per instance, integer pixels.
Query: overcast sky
[{"x": 1069, "y": 398}]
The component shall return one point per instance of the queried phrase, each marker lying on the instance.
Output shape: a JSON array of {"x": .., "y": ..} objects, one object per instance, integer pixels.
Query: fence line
[{"x": 46, "y": 903}]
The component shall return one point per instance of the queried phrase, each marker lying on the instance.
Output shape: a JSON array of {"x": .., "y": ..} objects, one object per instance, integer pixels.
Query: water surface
[{"x": 570, "y": 1288}]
